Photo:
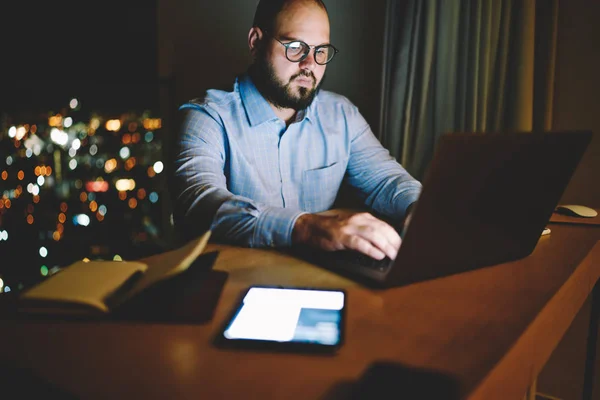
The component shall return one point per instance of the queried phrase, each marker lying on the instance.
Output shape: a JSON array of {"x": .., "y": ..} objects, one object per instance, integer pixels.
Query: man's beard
[{"x": 278, "y": 93}]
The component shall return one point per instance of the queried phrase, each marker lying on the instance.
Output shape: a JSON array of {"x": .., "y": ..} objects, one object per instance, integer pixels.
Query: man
[{"x": 260, "y": 165}]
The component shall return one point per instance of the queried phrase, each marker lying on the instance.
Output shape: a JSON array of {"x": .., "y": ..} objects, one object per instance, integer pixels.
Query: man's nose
[{"x": 309, "y": 62}]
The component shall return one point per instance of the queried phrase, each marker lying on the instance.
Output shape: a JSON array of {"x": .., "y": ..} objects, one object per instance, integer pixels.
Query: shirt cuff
[{"x": 274, "y": 227}]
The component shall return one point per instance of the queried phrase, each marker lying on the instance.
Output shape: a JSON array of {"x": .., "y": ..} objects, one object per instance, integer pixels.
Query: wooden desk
[{"x": 492, "y": 330}]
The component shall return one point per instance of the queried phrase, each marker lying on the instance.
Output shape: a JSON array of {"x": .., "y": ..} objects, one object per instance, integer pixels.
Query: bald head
[{"x": 267, "y": 11}]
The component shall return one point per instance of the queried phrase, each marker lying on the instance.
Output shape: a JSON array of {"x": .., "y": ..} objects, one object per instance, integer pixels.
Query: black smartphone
[{"x": 286, "y": 319}]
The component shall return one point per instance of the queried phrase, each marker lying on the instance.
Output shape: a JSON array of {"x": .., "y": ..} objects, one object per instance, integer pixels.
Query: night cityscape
[
  {"x": 81, "y": 138},
  {"x": 77, "y": 185}
]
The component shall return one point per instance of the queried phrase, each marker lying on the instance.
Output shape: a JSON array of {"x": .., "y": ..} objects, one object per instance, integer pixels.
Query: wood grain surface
[{"x": 490, "y": 331}]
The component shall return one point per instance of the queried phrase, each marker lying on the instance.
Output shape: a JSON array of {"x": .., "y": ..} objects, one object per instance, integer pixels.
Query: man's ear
[{"x": 254, "y": 39}]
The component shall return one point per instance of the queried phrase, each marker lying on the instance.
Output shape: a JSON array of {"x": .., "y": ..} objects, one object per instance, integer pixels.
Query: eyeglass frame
[{"x": 287, "y": 46}]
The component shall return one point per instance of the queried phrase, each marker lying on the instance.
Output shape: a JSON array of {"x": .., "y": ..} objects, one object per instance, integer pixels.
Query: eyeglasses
[{"x": 297, "y": 51}]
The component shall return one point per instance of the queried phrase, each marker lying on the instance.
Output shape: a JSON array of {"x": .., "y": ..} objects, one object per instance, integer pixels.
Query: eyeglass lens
[{"x": 296, "y": 51}]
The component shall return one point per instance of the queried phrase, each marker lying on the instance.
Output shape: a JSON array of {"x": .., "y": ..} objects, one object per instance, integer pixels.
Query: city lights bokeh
[{"x": 78, "y": 184}]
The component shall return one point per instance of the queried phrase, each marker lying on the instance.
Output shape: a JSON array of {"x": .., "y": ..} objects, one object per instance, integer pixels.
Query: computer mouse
[{"x": 574, "y": 210}]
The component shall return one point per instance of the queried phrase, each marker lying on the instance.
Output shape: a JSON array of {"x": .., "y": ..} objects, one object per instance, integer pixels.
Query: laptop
[{"x": 486, "y": 199}]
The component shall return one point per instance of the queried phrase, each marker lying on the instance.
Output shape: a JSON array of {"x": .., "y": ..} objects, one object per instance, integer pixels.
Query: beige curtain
[{"x": 464, "y": 65}]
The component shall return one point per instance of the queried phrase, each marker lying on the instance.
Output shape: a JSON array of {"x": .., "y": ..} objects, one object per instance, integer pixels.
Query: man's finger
[
  {"x": 364, "y": 246},
  {"x": 382, "y": 239},
  {"x": 386, "y": 247}
]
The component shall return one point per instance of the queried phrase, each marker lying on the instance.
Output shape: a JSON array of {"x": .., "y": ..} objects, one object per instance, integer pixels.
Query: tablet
[{"x": 287, "y": 319}]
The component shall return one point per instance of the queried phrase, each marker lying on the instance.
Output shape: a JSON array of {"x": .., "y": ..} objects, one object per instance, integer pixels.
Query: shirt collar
[
  {"x": 258, "y": 109},
  {"x": 309, "y": 112}
]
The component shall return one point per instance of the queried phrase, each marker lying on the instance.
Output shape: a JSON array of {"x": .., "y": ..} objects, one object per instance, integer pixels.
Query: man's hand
[{"x": 339, "y": 230}]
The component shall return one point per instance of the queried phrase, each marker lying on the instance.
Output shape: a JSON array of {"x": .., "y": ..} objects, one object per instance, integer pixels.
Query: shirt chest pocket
[{"x": 320, "y": 187}]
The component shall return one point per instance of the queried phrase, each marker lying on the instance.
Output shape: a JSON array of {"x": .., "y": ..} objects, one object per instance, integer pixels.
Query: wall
[
  {"x": 203, "y": 44},
  {"x": 577, "y": 91}
]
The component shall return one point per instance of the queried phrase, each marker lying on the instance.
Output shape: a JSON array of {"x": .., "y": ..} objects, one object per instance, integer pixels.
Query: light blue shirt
[{"x": 239, "y": 171}]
